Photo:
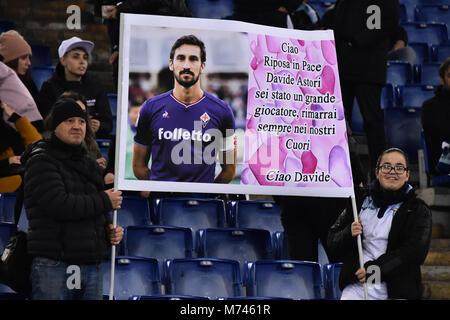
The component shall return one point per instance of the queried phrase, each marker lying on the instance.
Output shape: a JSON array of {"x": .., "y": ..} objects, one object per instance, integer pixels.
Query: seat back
[
  {"x": 403, "y": 126},
  {"x": 399, "y": 73},
  {"x": 429, "y": 74},
  {"x": 194, "y": 213},
  {"x": 285, "y": 278},
  {"x": 206, "y": 277},
  {"x": 433, "y": 13},
  {"x": 132, "y": 276},
  {"x": 135, "y": 210},
  {"x": 255, "y": 214},
  {"x": 414, "y": 95},
  {"x": 331, "y": 273},
  {"x": 41, "y": 56},
  {"x": 239, "y": 244},
  {"x": 431, "y": 33},
  {"x": 40, "y": 74},
  {"x": 158, "y": 242}
]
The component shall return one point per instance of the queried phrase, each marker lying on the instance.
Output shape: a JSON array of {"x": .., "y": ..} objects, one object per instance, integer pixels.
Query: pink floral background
[{"x": 267, "y": 151}]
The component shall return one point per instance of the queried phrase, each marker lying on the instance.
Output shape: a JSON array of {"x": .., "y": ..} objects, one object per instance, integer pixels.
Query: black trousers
[
  {"x": 306, "y": 220},
  {"x": 368, "y": 97}
]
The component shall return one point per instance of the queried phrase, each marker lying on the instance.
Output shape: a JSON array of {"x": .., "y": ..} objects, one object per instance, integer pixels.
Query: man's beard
[{"x": 187, "y": 84}]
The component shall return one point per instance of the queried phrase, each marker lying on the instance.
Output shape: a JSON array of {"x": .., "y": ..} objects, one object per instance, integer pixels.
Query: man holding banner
[{"x": 186, "y": 128}]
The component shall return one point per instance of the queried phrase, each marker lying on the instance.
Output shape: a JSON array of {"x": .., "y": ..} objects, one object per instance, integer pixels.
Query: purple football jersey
[{"x": 184, "y": 138}]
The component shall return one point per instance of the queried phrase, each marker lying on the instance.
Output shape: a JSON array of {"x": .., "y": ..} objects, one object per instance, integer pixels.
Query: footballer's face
[{"x": 186, "y": 65}]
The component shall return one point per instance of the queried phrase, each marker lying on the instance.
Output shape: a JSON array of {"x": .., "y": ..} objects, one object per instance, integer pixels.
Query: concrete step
[
  {"x": 436, "y": 290},
  {"x": 435, "y": 258},
  {"x": 435, "y": 273}
]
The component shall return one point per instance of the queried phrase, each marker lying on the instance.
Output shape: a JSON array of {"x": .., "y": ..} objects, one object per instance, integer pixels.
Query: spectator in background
[
  {"x": 68, "y": 210},
  {"x": 14, "y": 93},
  {"x": 17, "y": 54},
  {"x": 399, "y": 49},
  {"x": 89, "y": 143},
  {"x": 362, "y": 39},
  {"x": 12, "y": 144},
  {"x": 396, "y": 232},
  {"x": 436, "y": 117},
  {"x": 305, "y": 17},
  {"x": 111, "y": 13},
  {"x": 266, "y": 12},
  {"x": 71, "y": 75}
]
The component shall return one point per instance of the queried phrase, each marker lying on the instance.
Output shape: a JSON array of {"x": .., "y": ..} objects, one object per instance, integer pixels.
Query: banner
[{"x": 271, "y": 112}]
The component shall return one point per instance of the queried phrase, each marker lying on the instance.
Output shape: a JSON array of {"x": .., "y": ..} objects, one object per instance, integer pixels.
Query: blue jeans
[{"x": 56, "y": 280}]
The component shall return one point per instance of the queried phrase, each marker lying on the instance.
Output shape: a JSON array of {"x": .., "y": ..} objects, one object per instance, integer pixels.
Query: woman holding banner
[{"x": 396, "y": 231}]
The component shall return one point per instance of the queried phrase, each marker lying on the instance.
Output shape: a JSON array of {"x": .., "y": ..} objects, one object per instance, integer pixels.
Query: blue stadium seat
[
  {"x": 7, "y": 202},
  {"x": 257, "y": 214},
  {"x": 440, "y": 52},
  {"x": 410, "y": 5},
  {"x": 217, "y": 9},
  {"x": 239, "y": 244},
  {"x": 6, "y": 231},
  {"x": 285, "y": 278},
  {"x": 413, "y": 95},
  {"x": 41, "y": 73},
  {"x": 281, "y": 245},
  {"x": 431, "y": 33},
  {"x": 433, "y": 13},
  {"x": 331, "y": 273},
  {"x": 134, "y": 211},
  {"x": 403, "y": 126},
  {"x": 357, "y": 123},
  {"x": 194, "y": 213},
  {"x": 132, "y": 276},
  {"x": 112, "y": 98},
  {"x": 399, "y": 73},
  {"x": 422, "y": 51},
  {"x": 41, "y": 56},
  {"x": 104, "y": 145},
  {"x": 158, "y": 242},
  {"x": 428, "y": 74},
  {"x": 6, "y": 26},
  {"x": 321, "y": 6},
  {"x": 404, "y": 14},
  {"x": 206, "y": 277},
  {"x": 436, "y": 180}
]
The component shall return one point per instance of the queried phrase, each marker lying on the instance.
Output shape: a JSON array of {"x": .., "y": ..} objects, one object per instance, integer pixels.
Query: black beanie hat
[{"x": 64, "y": 109}]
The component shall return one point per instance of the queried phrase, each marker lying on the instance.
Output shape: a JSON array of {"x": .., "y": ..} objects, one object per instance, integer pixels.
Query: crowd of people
[{"x": 49, "y": 146}]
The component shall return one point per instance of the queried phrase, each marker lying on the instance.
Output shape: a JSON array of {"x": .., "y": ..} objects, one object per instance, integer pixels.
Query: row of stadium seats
[
  {"x": 195, "y": 213},
  {"x": 140, "y": 278}
]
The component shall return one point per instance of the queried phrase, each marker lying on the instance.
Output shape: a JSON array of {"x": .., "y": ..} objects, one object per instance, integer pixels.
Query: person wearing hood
[
  {"x": 395, "y": 227},
  {"x": 71, "y": 75},
  {"x": 436, "y": 117},
  {"x": 68, "y": 211}
]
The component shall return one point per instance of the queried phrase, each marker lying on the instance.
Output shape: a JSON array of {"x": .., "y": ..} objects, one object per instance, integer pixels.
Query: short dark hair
[
  {"x": 189, "y": 39},
  {"x": 444, "y": 67},
  {"x": 405, "y": 155}
]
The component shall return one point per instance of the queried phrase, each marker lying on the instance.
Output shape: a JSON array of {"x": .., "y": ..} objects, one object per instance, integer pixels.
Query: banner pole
[
  {"x": 113, "y": 260},
  {"x": 360, "y": 252}
]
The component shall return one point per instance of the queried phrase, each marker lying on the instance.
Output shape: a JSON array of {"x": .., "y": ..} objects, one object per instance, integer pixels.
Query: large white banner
[{"x": 281, "y": 85}]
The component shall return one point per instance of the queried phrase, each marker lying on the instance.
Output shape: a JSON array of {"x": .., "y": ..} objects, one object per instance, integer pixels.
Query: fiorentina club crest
[{"x": 205, "y": 118}]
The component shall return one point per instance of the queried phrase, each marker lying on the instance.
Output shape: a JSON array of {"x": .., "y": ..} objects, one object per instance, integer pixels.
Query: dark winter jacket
[
  {"x": 362, "y": 51},
  {"x": 67, "y": 209},
  {"x": 436, "y": 124},
  {"x": 89, "y": 87},
  {"x": 408, "y": 244}
]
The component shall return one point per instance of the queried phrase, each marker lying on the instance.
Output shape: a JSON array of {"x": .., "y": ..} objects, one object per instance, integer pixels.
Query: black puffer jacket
[
  {"x": 408, "y": 244},
  {"x": 65, "y": 204}
]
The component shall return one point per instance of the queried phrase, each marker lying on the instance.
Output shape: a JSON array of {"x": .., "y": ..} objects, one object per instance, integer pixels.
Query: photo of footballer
[{"x": 184, "y": 132}]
